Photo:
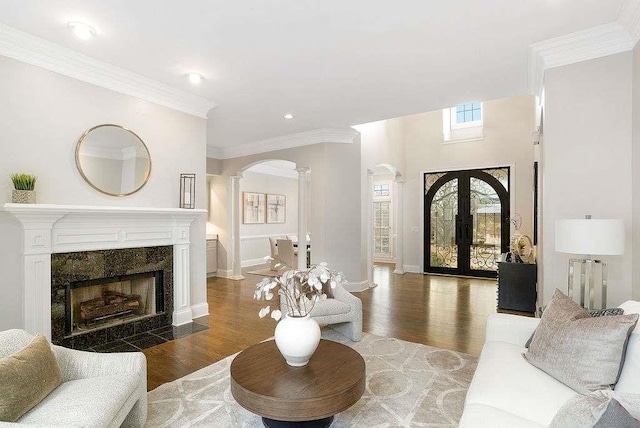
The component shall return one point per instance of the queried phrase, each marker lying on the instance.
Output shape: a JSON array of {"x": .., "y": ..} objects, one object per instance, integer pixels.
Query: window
[
  {"x": 381, "y": 189},
  {"x": 463, "y": 122}
]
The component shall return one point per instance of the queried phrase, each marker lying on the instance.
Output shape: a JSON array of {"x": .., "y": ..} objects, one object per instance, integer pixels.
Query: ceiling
[{"x": 332, "y": 63}]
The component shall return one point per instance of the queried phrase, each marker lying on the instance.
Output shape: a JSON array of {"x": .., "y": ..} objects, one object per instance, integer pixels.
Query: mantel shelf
[{"x": 92, "y": 209}]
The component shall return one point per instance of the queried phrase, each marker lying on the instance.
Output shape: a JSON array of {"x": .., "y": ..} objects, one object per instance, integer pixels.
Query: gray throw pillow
[
  {"x": 595, "y": 410},
  {"x": 583, "y": 352},
  {"x": 593, "y": 313}
]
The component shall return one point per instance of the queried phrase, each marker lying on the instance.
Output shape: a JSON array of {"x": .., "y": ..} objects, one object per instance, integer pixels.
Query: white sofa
[
  {"x": 98, "y": 390},
  {"x": 507, "y": 391}
]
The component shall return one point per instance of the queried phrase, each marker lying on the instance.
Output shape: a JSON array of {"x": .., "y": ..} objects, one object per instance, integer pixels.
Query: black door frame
[{"x": 464, "y": 219}]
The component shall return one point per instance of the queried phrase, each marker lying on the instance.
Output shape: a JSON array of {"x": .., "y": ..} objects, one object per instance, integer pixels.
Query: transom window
[
  {"x": 471, "y": 112},
  {"x": 463, "y": 123},
  {"x": 381, "y": 189}
]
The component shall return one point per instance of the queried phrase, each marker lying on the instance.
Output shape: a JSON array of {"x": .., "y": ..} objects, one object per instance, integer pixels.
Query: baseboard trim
[
  {"x": 356, "y": 287},
  {"x": 411, "y": 268},
  {"x": 200, "y": 310},
  {"x": 224, "y": 273},
  {"x": 252, "y": 262}
]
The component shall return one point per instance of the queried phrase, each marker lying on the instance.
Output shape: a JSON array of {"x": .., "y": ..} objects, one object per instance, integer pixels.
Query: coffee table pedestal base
[{"x": 319, "y": 423}]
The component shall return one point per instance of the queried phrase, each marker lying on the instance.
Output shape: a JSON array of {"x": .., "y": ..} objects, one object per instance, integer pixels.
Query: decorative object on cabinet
[
  {"x": 188, "y": 191},
  {"x": 253, "y": 207},
  {"x": 276, "y": 208},
  {"x": 113, "y": 160},
  {"x": 589, "y": 237},
  {"x": 23, "y": 189},
  {"x": 517, "y": 286}
]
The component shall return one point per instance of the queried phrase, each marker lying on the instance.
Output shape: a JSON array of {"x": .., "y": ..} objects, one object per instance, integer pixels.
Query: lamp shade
[{"x": 603, "y": 237}]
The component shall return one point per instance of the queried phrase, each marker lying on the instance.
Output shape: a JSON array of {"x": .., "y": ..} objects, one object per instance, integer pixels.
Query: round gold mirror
[{"x": 113, "y": 160}]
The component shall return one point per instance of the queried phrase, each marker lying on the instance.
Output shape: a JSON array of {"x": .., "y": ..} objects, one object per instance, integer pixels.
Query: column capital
[
  {"x": 370, "y": 172},
  {"x": 400, "y": 180},
  {"x": 302, "y": 170},
  {"x": 237, "y": 176}
]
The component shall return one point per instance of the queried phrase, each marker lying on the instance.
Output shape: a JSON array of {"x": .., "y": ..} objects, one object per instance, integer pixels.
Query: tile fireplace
[{"x": 101, "y": 296}]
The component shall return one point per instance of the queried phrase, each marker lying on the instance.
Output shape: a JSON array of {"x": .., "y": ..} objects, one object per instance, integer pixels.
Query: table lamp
[{"x": 602, "y": 237}]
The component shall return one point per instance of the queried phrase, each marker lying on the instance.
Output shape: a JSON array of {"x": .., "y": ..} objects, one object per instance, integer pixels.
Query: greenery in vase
[
  {"x": 23, "y": 181},
  {"x": 300, "y": 289}
]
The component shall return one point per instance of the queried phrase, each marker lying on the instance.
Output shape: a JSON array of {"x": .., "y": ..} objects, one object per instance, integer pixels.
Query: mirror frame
[{"x": 86, "y": 179}]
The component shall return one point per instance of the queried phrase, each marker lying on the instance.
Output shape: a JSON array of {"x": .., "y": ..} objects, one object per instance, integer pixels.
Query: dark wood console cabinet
[{"x": 517, "y": 286}]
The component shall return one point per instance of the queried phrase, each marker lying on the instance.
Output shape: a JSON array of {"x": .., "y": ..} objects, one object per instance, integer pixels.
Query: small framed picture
[
  {"x": 253, "y": 207},
  {"x": 276, "y": 208}
]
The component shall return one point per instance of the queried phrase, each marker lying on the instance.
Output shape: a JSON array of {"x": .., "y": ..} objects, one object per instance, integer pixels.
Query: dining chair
[{"x": 286, "y": 253}]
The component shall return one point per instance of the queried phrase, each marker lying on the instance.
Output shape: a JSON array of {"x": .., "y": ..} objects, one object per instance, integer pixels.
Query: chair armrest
[
  {"x": 514, "y": 329},
  {"x": 80, "y": 364},
  {"x": 341, "y": 294}
]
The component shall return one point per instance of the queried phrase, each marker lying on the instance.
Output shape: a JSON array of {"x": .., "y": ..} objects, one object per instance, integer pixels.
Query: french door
[{"x": 466, "y": 221}]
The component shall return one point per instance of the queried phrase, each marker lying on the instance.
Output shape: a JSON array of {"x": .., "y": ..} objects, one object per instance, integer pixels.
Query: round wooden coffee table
[{"x": 263, "y": 383}]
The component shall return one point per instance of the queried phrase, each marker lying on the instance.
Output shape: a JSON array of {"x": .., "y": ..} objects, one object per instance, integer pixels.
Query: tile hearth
[{"x": 148, "y": 339}]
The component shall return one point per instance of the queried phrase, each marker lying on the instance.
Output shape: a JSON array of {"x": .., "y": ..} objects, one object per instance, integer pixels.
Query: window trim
[{"x": 464, "y": 132}]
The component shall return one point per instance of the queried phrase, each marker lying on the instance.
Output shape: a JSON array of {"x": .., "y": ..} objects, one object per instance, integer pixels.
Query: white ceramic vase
[{"x": 297, "y": 339}]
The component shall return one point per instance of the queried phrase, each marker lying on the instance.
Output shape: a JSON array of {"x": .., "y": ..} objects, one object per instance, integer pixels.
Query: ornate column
[
  {"x": 399, "y": 182},
  {"x": 237, "y": 220},
  {"x": 369, "y": 212},
  {"x": 302, "y": 217}
]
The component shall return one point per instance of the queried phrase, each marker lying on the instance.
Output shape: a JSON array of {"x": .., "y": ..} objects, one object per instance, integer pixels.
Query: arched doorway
[{"x": 466, "y": 221}]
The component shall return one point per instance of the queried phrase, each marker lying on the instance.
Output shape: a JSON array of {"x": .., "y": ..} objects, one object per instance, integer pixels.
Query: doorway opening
[{"x": 466, "y": 219}]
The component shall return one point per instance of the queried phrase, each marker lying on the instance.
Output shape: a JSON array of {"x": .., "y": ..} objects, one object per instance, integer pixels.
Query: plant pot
[
  {"x": 297, "y": 339},
  {"x": 23, "y": 196}
]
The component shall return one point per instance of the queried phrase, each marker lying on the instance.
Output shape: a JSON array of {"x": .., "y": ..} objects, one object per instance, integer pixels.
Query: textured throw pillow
[
  {"x": 28, "y": 376},
  {"x": 583, "y": 352},
  {"x": 594, "y": 410},
  {"x": 592, "y": 313}
]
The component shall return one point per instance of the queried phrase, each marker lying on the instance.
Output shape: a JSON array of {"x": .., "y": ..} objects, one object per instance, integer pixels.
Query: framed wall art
[
  {"x": 276, "y": 208},
  {"x": 253, "y": 207}
]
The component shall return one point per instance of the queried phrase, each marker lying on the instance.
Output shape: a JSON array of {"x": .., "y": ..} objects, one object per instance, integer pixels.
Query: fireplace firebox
[{"x": 105, "y": 302}]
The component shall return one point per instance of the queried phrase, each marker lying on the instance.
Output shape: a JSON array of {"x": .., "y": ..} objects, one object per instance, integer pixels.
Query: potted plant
[
  {"x": 23, "y": 188},
  {"x": 297, "y": 335}
]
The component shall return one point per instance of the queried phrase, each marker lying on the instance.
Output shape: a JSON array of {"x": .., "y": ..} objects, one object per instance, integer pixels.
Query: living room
[{"x": 361, "y": 92}]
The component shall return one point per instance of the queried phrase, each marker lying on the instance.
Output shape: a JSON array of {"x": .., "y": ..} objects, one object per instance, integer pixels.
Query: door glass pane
[
  {"x": 487, "y": 216},
  {"x": 444, "y": 207},
  {"x": 382, "y": 228}
]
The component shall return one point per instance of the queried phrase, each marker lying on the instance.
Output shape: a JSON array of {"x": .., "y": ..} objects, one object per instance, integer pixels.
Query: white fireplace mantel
[{"x": 49, "y": 229}]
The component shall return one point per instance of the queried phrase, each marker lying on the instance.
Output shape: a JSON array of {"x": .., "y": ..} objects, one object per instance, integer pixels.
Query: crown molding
[
  {"x": 630, "y": 19},
  {"x": 592, "y": 43},
  {"x": 33, "y": 50},
  {"x": 316, "y": 136},
  {"x": 261, "y": 168}
]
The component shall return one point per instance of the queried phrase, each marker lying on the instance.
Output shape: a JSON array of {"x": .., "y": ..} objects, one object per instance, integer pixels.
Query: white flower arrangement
[{"x": 300, "y": 289}]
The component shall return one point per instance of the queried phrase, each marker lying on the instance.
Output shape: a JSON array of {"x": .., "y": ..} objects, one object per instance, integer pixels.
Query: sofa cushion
[
  {"x": 584, "y": 353},
  {"x": 505, "y": 381},
  {"x": 482, "y": 416},
  {"x": 28, "y": 376},
  {"x": 594, "y": 410},
  {"x": 84, "y": 402}
]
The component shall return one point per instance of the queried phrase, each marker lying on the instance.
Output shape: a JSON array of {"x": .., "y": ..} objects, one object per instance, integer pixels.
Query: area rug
[{"x": 408, "y": 384}]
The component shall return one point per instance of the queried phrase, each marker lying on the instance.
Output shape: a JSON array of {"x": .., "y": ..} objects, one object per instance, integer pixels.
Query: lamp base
[{"x": 587, "y": 282}]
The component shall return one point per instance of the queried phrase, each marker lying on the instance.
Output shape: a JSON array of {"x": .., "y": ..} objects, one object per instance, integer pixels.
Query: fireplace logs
[{"x": 111, "y": 304}]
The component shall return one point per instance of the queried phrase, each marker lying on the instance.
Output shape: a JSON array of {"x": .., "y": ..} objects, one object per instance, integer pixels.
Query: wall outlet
[{"x": 415, "y": 229}]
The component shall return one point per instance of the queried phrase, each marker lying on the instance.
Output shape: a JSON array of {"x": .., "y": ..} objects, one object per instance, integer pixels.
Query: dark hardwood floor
[{"x": 446, "y": 312}]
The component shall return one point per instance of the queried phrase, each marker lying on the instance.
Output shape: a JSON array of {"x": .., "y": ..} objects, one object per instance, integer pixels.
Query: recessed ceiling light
[
  {"x": 81, "y": 30},
  {"x": 288, "y": 116},
  {"x": 195, "y": 78}
]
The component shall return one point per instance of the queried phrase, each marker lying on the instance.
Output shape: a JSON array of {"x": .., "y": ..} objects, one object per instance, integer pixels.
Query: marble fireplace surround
[{"x": 48, "y": 229}]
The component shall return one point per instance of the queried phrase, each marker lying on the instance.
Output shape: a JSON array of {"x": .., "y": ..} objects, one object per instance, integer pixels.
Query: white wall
[
  {"x": 334, "y": 214},
  {"x": 414, "y": 144},
  {"x": 635, "y": 172},
  {"x": 255, "y": 242},
  {"x": 587, "y": 157},
  {"x": 43, "y": 114}
]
